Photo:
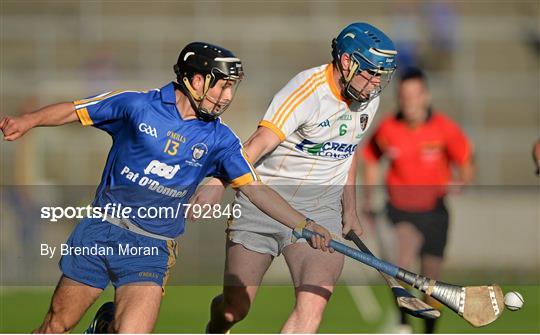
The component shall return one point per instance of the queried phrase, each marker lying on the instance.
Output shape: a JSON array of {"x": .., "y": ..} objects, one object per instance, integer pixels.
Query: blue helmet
[{"x": 370, "y": 50}]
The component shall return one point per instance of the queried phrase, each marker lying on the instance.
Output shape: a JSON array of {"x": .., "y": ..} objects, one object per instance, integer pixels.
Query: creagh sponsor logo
[
  {"x": 327, "y": 149},
  {"x": 148, "y": 130},
  {"x": 161, "y": 169}
]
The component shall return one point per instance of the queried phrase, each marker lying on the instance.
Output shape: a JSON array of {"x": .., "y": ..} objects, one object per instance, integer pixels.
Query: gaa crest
[
  {"x": 199, "y": 150},
  {"x": 363, "y": 121}
]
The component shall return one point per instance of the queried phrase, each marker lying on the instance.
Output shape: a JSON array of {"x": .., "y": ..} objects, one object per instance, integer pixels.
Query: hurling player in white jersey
[{"x": 305, "y": 148}]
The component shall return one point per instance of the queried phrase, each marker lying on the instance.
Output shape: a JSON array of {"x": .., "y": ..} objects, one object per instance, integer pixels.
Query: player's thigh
[
  {"x": 431, "y": 266},
  {"x": 69, "y": 302},
  {"x": 137, "y": 307},
  {"x": 244, "y": 271},
  {"x": 409, "y": 241},
  {"x": 313, "y": 271}
]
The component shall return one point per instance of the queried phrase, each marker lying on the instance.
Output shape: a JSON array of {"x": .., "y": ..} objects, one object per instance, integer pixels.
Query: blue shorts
[{"x": 98, "y": 252}]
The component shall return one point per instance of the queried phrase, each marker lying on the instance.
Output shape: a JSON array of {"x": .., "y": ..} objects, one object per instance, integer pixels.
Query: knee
[
  {"x": 119, "y": 327},
  {"x": 313, "y": 310},
  {"x": 123, "y": 325},
  {"x": 311, "y": 306},
  {"x": 236, "y": 309}
]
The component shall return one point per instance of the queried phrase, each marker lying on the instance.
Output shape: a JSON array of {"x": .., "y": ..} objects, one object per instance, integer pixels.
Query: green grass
[{"x": 185, "y": 310}]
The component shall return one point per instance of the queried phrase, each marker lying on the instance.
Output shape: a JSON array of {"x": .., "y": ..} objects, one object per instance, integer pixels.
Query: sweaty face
[
  {"x": 413, "y": 99},
  {"x": 365, "y": 83},
  {"x": 218, "y": 98}
]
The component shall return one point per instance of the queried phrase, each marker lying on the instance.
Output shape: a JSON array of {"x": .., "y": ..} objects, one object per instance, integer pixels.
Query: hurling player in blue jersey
[{"x": 165, "y": 141}]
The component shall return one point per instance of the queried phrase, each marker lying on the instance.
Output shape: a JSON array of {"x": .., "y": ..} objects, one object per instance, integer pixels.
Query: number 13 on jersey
[{"x": 171, "y": 147}]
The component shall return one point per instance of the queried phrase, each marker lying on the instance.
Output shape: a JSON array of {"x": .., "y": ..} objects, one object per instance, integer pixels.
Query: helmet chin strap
[
  {"x": 352, "y": 70},
  {"x": 346, "y": 80},
  {"x": 196, "y": 100},
  {"x": 192, "y": 91}
]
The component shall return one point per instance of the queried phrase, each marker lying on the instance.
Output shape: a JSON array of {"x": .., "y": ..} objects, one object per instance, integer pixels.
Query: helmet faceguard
[
  {"x": 213, "y": 63},
  {"x": 372, "y": 56}
]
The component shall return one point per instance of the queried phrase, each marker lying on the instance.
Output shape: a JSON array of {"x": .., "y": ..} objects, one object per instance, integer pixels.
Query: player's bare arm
[
  {"x": 52, "y": 115},
  {"x": 348, "y": 201},
  {"x": 272, "y": 204},
  {"x": 261, "y": 142},
  {"x": 536, "y": 156},
  {"x": 208, "y": 194},
  {"x": 466, "y": 172},
  {"x": 464, "y": 176},
  {"x": 370, "y": 175}
]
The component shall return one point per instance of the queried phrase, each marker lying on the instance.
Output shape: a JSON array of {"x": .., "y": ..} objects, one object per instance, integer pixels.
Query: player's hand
[
  {"x": 455, "y": 187},
  {"x": 352, "y": 223},
  {"x": 15, "y": 127},
  {"x": 209, "y": 193},
  {"x": 321, "y": 238}
]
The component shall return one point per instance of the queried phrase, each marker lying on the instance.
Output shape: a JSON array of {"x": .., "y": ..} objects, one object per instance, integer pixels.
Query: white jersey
[{"x": 319, "y": 131}]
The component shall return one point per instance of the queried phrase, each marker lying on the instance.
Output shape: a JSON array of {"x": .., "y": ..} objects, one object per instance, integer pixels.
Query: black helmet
[{"x": 213, "y": 63}]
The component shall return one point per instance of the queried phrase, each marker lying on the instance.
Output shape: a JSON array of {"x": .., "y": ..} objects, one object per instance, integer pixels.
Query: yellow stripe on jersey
[
  {"x": 293, "y": 96},
  {"x": 273, "y": 128},
  {"x": 98, "y": 98},
  {"x": 286, "y": 109},
  {"x": 84, "y": 117},
  {"x": 242, "y": 180},
  {"x": 308, "y": 92},
  {"x": 255, "y": 175},
  {"x": 82, "y": 112}
]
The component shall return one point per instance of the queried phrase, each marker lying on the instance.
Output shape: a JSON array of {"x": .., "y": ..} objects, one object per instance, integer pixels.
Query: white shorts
[{"x": 258, "y": 232}]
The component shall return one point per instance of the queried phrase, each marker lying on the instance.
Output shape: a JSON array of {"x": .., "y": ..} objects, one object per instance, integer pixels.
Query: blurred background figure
[
  {"x": 425, "y": 34},
  {"x": 405, "y": 31},
  {"x": 420, "y": 144},
  {"x": 21, "y": 204},
  {"x": 101, "y": 70},
  {"x": 441, "y": 25},
  {"x": 536, "y": 156}
]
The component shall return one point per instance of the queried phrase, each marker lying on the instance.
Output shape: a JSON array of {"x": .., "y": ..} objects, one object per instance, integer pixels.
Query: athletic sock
[
  {"x": 403, "y": 318},
  {"x": 430, "y": 326}
]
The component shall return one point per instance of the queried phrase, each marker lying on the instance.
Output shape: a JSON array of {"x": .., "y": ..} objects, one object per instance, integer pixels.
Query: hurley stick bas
[
  {"x": 478, "y": 305},
  {"x": 405, "y": 300}
]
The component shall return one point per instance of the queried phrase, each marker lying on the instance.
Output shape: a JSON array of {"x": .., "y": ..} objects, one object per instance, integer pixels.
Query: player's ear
[
  {"x": 345, "y": 61},
  {"x": 197, "y": 82}
]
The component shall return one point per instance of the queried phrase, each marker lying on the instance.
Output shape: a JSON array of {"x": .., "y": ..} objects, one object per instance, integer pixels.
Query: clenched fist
[{"x": 15, "y": 127}]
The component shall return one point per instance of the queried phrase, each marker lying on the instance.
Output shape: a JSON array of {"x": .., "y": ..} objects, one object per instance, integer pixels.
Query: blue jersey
[{"x": 157, "y": 159}]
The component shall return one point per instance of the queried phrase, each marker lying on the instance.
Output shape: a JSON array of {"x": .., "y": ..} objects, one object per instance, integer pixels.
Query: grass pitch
[{"x": 185, "y": 309}]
